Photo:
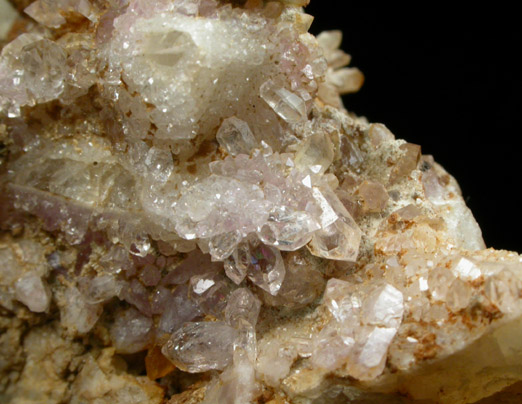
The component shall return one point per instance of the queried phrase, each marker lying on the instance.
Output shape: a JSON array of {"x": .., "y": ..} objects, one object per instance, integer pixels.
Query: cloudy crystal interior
[{"x": 189, "y": 214}]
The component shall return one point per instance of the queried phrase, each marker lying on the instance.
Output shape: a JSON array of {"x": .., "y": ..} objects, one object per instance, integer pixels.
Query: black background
[{"x": 450, "y": 81}]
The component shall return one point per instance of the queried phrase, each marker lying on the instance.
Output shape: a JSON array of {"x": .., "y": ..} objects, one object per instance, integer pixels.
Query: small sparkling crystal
[{"x": 183, "y": 190}]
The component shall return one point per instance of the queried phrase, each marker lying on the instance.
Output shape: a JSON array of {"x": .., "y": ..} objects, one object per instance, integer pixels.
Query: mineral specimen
[{"x": 190, "y": 215}]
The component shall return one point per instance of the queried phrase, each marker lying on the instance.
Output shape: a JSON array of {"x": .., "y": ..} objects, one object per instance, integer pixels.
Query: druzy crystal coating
[{"x": 185, "y": 195}]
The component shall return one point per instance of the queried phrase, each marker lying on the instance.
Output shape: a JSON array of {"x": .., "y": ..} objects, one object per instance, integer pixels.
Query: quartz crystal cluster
[{"x": 188, "y": 214}]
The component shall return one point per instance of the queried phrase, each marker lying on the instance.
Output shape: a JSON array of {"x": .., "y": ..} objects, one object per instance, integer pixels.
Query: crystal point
[{"x": 183, "y": 190}]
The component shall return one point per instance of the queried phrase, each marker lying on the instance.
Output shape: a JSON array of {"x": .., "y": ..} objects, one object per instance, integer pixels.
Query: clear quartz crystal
[
  {"x": 236, "y": 266},
  {"x": 339, "y": 240},
  {"x": 242, "y": 305},
  {"x": 223, "y": 245},
  {"x": 44, "y": 69},
  {"x": 211, "y": 292},
  {"x": 181, "y": 183},
  {"x": 285, "y": 103},
  {"x": 316, "y": 153},
  {"x": 288, "y": 229},
  {"x": 199, "y": 347},
  {"x": 235, "y": 136},
  {"x": 266, "y": 268}
]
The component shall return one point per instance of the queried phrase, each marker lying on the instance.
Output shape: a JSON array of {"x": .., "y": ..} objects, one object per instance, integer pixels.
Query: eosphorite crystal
[{"x": 189, "y": 214}]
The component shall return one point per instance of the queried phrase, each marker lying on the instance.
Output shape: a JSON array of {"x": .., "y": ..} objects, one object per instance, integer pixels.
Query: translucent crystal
[
  {"x": 266, "y": 268},
  {"x": 366, "y": 321},
  {"x": 181, "y": 180},
  {"x": 223, "y": 245},
  {"x": 76, "y": 314},
  {"x": 44, "y": 71},
  {"x": 34, "y": 293},
  {"x": 236, "y": 385},
  {"x": 303, "y": 282},
  {"x": 242, "y": 304},
  {"x": 351, "y": 154},
  {"x": 374, "y": 350},
  {"x": 235, "y": 136},
  {"x": 347, "y": 80},
  {"x": 210, "y": 292},
  {"x": 379, "y": 134},
  {"x": 179, "y": 309},
  {"x": 150, "y": 275},
  {"x": 330, "y": 41},
  {"x": 45, "y": 13},
  {"x": 131, "y": 331},
  {"x": 373, "y": 196},
  {"x": 199, "y": 347},
  {"x": 384, "y": 307},
  {"x": 339, "y": 241},
  {"x": 340, "y": 299},
  {"x": 236, "y": 266},
  {"x": 48, "y": 12},
  {"x": 459, "y": 295},
  {"x": 137, "y": 295},
  {"x": 438, "y": 281},
  {"x": 466, "y": 269},
  {"x": 287, "y": 229},
  {"x": 316, "y": 153},
  {"x": 330, "y": 349},
  {"x": 286, "y": 104},
  {"x": 101, "y": 289},
  {"x": 503, "y": 290},
  {"x": 407, "y": 163},
  {"x": 9, "y": 15}
]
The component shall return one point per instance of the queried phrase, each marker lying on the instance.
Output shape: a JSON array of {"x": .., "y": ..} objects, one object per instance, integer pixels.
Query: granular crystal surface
[{"x": 189, "y": 214}]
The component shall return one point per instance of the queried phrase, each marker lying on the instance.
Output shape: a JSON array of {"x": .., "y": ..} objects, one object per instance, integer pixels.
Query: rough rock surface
[{"x": 188, "y": 214}]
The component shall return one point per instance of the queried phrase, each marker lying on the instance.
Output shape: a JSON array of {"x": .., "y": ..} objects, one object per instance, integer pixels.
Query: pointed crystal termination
[
  {"x": 223, "y": 245},
  {"x": 210, "y": 292},
  {"x": 242, "y": 305},
  {"x": 266, "y": 268},
  {"x": 407, "y": 163},
  {"x": 235, "y": 136},
  {"x": 236, "y": 266},
  {"x": 286, "y": 104},
  {"x": 316, "y": 153},
  {"x": 340, "y": 239},
  {"x": 287, "y": 229},
  {"x": 347, "y": 80},
  {"x": 199, "y": 347},
  {"x": 49, "y": 12}
]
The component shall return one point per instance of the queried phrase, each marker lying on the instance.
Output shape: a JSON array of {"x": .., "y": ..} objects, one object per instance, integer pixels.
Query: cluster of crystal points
[{"x": 179, "y": 177}]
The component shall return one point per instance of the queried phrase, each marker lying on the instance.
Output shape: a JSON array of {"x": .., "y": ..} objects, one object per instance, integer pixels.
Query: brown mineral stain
[
  {"x": 427, "y": 348},
  {"x": 156, "y": 364},
  {"x": 192, "y": 169}
]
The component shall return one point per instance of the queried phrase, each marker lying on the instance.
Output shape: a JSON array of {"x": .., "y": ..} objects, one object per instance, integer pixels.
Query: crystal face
[{"x": 185, "y": 196}]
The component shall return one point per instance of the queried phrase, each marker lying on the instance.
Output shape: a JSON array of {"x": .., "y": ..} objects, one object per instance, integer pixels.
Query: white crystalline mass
[{"x": 180, "y": 177}]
